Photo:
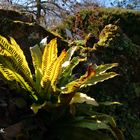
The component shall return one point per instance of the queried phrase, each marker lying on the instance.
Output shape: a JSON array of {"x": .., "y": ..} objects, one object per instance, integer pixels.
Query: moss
[{"x": 113, "y": 37}]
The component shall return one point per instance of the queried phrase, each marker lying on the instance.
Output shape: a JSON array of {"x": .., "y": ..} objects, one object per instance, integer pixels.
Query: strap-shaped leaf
[
  {"x": 66, "y": 75},
  {"x": 36, "y": 54},
  {"x": 103, "y": 68},
  {"x": 54, "y": 70},
  {"x": 13, "y": 43},
  {"x": 99, "y": 78},
  {"x": 105, "y": 118},
  {"x": 90, "y": 124},
  {"x": 72, "y": 64},
  {"x": 49, "y": 55},
  {"x": 57, "y": 67},
  {"x": 85, "y": 127},
  {"x": 81, "y": 98},
  {"x": 70, "y": 53},
  {"x": 93, "y": 125},
  {"x": 99, "y": 123},
  {"x": 111, "y": 122},
  {"x": 17, "y": 57},
  {"x": 12, "y": 75},
  {"x": 76, "y": 84},
  {"x": 3, "y": 51}
]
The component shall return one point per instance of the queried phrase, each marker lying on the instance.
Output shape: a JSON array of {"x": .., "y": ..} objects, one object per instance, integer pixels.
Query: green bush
[{"x": 93, "y": 21}]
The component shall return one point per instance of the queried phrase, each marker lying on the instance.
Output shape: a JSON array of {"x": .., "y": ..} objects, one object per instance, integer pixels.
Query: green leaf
[
  {"x": 105, "y": 118},
  {"x": 66, "y": 75},
  {"x": 70, "y": 53},
  {"x": 17, "y": 57},
  {"x": 101, "y": 122},
  {"x": 68, "y": 66},
  {"x": 90, "y": 124},
  {"x": 107, "y": 103},
  {"x": 54, "y": 71},
  {"x": 13, "y": 75},
  {"x": 76, "y": 84},
  {"x": 35, "y": 107},
  {"x": 99, "y": 78},
  {"x": 36, "y": 54},
  {"x": 49, "y": 55},
  {"x": 81, "y": 98},
  {"x": 103, "y": 68},
  {"x": 110, "y": 122}
]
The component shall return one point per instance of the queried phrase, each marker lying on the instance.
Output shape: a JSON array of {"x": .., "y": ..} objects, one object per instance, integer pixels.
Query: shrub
[{"x": 93, "y": 21}]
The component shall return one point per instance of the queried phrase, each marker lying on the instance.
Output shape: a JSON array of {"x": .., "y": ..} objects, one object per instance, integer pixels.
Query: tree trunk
[{"x": 38, "y": 14}]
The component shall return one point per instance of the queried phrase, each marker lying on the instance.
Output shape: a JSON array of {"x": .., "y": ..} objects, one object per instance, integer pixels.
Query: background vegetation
[{"x": 117, "y": 42}]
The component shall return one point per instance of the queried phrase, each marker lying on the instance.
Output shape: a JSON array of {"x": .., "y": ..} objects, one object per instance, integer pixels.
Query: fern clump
[{"x": 53, "y": 84}]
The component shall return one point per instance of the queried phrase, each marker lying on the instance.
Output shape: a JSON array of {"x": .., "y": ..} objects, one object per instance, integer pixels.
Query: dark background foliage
[{"x": 119, "y": 43}]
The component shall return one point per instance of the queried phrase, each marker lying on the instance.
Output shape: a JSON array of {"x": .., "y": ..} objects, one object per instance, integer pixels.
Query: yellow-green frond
[
  {"x": 54, "y": 70},
  {"x": 5, "y": 73},
  {"x": 36, "y": 54},
  {"x": 57, "y": 67},
  {"x": 49, "y": 55},
  {"x": 3, "y": 52},
  {"x": 17, "y": 57},
  {"x": 13, "y": 43},
  {"x": 11, "y": 75},
  {"x": 47, "y": 74}
]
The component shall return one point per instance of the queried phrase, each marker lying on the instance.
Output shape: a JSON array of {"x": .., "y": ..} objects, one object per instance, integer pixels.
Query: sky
[{"x": 105, "y": 2}]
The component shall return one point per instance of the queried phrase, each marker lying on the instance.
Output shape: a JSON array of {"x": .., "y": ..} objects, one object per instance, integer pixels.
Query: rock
[
  {"x": 14, "y": 15},
  {"x": 24, "y": 29}
]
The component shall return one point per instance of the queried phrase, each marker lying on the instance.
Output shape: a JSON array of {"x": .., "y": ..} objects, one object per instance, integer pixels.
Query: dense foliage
[
  {"x": 55, "y": 93},
  {"x": 93, "y": 21},
  {"x": 116, "y": 42}
]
